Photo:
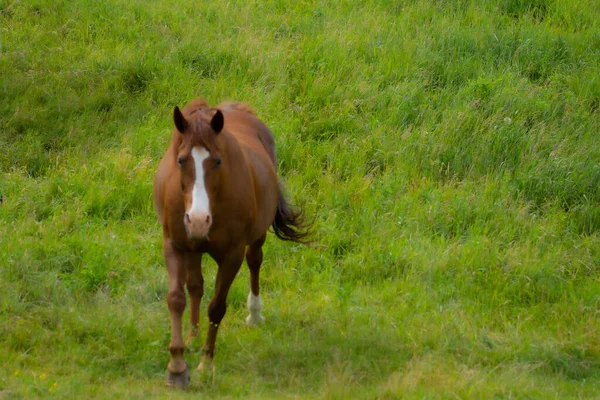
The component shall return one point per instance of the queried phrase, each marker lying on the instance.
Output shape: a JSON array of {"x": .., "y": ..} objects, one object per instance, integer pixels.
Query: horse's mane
[
  {"x": 238, "y": 106},
  {"x": 193, "y": 106},
  {"x": 198, "y": 104}
]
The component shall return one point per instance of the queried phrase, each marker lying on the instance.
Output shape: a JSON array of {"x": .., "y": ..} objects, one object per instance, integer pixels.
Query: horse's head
[{"x": 199, "y": 162}]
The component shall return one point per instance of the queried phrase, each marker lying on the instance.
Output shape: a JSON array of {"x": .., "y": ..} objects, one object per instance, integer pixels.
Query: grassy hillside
[{"x": 449, "y": 150}]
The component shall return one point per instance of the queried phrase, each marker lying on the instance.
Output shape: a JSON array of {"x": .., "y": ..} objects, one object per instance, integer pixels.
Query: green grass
[{"x": 448, "y": 149}]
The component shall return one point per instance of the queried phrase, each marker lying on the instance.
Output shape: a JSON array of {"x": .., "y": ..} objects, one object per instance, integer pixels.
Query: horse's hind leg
[
  {"x": 254, "y": 257},
  {"x": 195, "y": 286}
]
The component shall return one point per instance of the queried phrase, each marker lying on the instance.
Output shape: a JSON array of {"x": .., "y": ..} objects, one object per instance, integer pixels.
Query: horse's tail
[{"x": 290, "y": 224}]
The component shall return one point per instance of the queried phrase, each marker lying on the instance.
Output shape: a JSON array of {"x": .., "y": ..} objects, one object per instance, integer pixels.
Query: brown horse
[{"x": 216, "y": 191}]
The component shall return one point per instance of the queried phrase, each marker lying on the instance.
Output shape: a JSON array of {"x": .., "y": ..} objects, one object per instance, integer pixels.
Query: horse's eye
[
  {"x": 217, "y": 162},
  {"x": 181, "y": 161}
]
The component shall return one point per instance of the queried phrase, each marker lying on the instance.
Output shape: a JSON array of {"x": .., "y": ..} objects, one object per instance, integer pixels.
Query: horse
[{"x": 216, "y": 191}]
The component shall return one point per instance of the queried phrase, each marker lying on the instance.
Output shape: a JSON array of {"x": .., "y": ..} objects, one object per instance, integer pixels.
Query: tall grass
[{"x": 449, "y": 151}]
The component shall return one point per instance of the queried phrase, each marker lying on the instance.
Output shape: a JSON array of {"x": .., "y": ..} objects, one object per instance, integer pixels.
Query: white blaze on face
[{"x": 200, "y": 202}]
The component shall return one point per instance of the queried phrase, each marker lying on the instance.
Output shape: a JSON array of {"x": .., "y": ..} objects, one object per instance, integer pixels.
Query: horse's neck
[
  {"x": 240, "y": 181},
  {"x": 235, "y": 152}
]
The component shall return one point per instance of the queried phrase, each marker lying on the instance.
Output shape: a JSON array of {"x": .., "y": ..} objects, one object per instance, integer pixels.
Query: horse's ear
[
  {"x": 217, "y": 121},
  {"x": 180, "y": 122}
]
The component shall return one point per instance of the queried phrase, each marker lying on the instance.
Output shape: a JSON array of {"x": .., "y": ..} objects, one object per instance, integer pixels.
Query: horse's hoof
[
  {"x": 206, "y": 365},
  {"x": 179, "y": 381},
  {"x": 254, "y": 320}
]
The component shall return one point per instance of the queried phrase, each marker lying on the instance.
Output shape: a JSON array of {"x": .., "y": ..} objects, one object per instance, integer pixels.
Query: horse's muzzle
[{"x": 197, "y": 224}]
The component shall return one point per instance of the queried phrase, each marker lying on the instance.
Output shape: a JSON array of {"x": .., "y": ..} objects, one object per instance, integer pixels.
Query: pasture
[{"x": 448, "y": 150}]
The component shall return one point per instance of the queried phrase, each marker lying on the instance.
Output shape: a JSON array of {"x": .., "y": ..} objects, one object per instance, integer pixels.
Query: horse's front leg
[
  {"x": 178, "y": 373},
  {"x": 195, "y": 286},
  {"x": 229, "y": 265}
]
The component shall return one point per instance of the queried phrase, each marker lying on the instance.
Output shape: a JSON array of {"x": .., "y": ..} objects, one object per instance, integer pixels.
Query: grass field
[{"x": 450, "y": 151}]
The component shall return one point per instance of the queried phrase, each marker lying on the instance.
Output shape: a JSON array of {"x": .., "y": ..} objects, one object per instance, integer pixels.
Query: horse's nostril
[
  {"x": 208, "y": 219},
  {"x": 187, "y": 218}
]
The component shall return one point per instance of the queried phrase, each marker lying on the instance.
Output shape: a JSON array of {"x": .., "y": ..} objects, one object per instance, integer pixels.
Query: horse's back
[
  {"x": 258, "y": 146},
  {"x": 242, "y": 122}
]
